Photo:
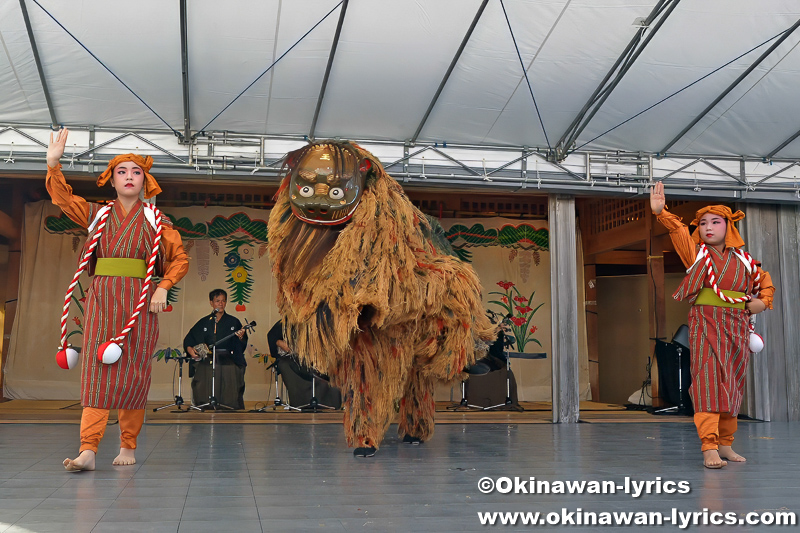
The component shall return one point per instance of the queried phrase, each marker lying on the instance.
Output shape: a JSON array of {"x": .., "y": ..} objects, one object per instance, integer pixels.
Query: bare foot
[
  {"x": 711, "y": 459},
  {"x": 726, "y": 452},
  {"x": 125, "y": 457},
  {"x": 85, "y": 461}
]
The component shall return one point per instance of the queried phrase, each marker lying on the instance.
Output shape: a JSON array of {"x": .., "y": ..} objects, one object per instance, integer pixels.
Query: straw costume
[
  {"x": 718, "y": 324},
  {"x": 366, "y": 294},
  {"x": 116, "y": 298}
]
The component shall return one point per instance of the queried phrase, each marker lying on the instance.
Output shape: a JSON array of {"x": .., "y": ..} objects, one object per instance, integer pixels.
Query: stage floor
[
  {"x": 243, "y": 477},
  {"x": 283, "y": 471},
  {"x": 69, "y": 412}
]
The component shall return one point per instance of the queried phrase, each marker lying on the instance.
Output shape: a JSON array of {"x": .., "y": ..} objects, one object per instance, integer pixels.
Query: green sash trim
[
  {"x": 120, "y": 266},
  {"x": 707, "y": 296}
]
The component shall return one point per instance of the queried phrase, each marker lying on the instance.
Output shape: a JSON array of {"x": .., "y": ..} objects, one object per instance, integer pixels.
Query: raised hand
[
  {"x": 657, "y": 198},
  {"x": 56, "y": 148}
]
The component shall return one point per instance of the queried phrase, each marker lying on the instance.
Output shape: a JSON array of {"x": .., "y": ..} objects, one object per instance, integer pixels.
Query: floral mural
[
  {"x": 519, "y": 237},
  {"x": 517, "y": 308}
]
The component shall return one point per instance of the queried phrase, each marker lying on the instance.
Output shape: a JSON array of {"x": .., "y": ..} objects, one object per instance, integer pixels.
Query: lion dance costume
[{"x": 366, "y": 295}]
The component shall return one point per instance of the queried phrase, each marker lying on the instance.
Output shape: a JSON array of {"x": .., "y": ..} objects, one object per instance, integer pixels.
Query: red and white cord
[
  {"x": 713, "y": 281},
  {"x": 85, "y": 261},
  {"x": 81, "y": 267},
  {"x": 151, "y": 265}
]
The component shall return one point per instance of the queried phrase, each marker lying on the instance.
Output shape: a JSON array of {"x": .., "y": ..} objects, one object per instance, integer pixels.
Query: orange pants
[
  {"x": 715, "y": 429},
  {"x": 93, "y": 427}
]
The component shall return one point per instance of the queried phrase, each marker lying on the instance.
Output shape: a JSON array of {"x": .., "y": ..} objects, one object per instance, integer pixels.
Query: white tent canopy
[{"x": 262, "y": 75}]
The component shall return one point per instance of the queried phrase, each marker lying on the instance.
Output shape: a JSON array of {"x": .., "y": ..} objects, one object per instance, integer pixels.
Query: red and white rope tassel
[
  {"x": 756, "y": 341},
  {"x": 109, "y": 352},
  {"x": 67, "y": 357}
]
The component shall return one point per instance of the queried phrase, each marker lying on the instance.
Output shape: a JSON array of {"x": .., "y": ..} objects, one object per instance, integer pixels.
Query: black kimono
[{"x": 231, "y": 362}]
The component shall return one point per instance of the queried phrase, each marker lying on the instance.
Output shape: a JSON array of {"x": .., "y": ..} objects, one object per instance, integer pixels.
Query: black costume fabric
[{"x": 273, "y": 336}]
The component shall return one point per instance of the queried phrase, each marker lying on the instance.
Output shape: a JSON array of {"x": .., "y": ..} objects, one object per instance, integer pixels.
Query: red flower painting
[
  {"x": 79, "y": 302},
  {"x": 519, "y": 314}
]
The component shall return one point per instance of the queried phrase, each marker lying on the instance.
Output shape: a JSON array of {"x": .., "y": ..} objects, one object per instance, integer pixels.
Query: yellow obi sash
[
  {"x": 120, "y": 266},
  {"x": 707, "y": 296}
]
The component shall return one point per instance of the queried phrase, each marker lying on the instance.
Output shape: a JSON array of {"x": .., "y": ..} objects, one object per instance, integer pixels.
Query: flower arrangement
[{"x": 517, "y": 308}]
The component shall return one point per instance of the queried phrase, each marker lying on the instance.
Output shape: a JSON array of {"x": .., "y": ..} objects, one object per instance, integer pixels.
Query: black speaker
[{"x": 669, "y": 388}]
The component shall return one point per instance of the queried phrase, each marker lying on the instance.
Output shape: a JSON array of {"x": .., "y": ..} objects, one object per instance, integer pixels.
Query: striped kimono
[
  {"x": 718, "y": 335},
  {"x": 110, "y": 300}
]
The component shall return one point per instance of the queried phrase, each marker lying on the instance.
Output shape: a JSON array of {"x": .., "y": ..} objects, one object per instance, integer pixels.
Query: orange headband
[
  {"x": 732, "y": 237},
  {"x": 151, "y": 187}
]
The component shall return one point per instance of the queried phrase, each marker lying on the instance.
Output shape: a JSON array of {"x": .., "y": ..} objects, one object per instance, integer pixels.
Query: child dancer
[{"x": 725, "y": 286}]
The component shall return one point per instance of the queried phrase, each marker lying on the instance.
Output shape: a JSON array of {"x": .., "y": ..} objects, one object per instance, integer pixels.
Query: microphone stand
[
  {"x": 212, "y": 400},
  {"x": 277, "y": 402},
  {"x": 313, "y": 404},
  {"x": 178, "y": 398},
  {"x": 679, "y": 409}
]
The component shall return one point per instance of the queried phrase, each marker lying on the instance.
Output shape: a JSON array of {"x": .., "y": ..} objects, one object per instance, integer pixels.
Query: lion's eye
[
  {"x": 337, "y": 193},
  {"x": 306, "y": 191}
]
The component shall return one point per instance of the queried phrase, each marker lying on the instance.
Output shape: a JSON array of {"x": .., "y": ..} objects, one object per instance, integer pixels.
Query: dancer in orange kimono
[
  {"x": 127, "y": 233},
  {"x": 725, "y": 286}
]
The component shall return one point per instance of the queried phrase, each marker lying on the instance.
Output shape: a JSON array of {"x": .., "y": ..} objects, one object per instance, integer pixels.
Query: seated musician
[
  {"x": 231, "y": 362},
  {"x": 296, "y": 377},
  {"x": 275, "y": 341}
]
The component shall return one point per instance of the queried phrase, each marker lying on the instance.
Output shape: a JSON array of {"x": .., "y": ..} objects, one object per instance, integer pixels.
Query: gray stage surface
[{"x": 241, "y": 478}]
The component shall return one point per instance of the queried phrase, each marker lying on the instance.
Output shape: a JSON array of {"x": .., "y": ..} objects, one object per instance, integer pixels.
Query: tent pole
[
  {"x": 449, "y": 71},
  {"x": 328, "y": 69},
  {"x": 732, "y": 86},
  {"x": 53, "y": 121},
  {"x": 187, "y": 130}
]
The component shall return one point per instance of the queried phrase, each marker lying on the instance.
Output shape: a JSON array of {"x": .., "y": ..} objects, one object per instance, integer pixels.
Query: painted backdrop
[{"x": 228, "y": 249}]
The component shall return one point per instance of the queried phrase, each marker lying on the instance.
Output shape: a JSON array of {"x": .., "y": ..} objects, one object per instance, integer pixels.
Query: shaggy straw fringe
[{"x": 382, "y": 313}]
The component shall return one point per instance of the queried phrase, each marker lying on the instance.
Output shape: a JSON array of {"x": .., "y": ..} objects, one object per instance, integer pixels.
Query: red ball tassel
[{"x": 67, "y": 358}]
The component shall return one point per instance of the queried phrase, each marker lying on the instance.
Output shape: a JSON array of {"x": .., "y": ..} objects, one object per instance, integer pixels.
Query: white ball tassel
[
  {"x": 756, "y": 341},
  {"x": 109, "y": 353}
]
